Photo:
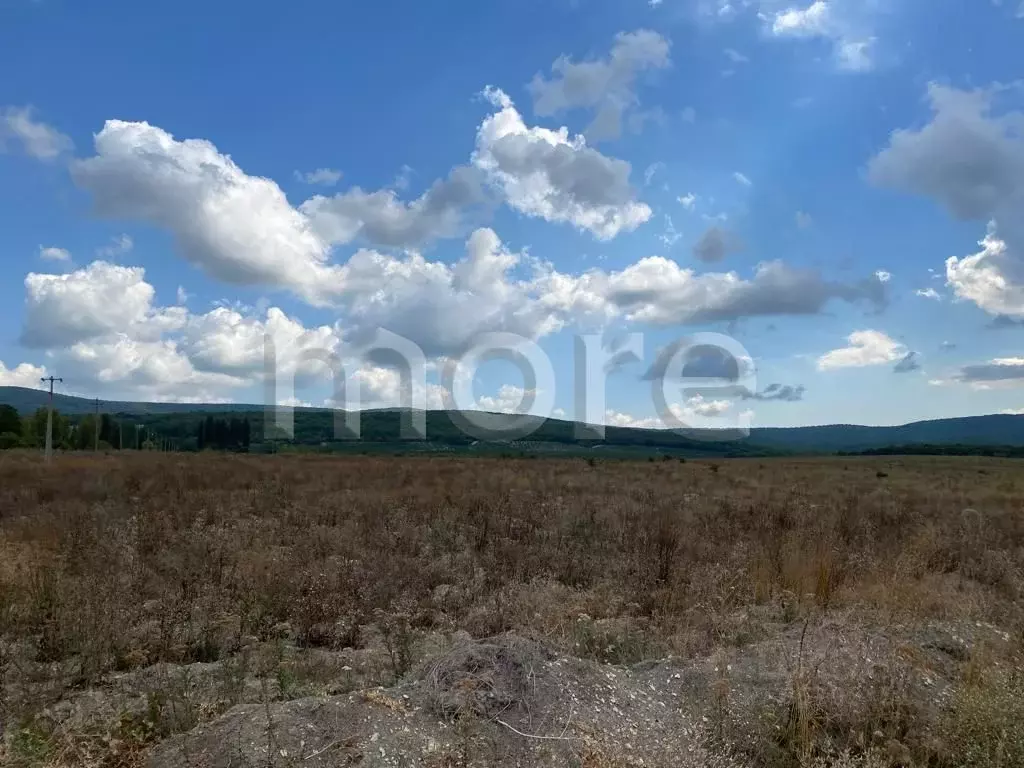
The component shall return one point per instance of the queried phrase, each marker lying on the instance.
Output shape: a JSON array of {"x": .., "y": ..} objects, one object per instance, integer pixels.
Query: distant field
[{"x": 778, "y": 612}]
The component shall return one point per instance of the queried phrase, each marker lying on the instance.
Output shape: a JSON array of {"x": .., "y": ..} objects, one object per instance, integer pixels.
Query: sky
[{"x": 818, "y": 205}]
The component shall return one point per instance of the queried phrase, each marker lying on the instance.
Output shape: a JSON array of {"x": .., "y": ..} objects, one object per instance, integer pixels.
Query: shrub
[{"x": 985, "y": 728}]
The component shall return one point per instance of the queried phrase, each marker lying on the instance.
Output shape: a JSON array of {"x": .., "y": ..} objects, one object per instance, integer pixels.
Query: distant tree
[
  {"x": 108, "y": 430},
  {"x": 10, "y": 421},
  {"x": 9, "y": 440},
  {"x": 37, "y": 428},
  {"x": 211, "y": 433},
  {"x": 83, "y": 437}
]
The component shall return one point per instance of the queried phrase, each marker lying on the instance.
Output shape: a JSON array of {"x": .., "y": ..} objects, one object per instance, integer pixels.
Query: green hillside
[{"x": 380, "y": 429}]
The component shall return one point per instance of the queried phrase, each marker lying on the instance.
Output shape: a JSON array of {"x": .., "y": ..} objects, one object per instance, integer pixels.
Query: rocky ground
[{"x": 512, "y": 700}]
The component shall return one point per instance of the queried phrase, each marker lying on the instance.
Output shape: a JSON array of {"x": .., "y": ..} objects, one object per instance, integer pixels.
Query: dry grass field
[{"x": 216, "y": 610}]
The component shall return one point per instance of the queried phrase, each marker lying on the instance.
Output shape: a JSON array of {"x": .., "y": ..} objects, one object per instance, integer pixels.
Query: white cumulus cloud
[
  {"x": 99, "y": 299},
  {"x": 238, "y": 228},
  {"x": 550, "y": 175},
  {"x": 22, "y": 375},
  {"x": 865, "y": 348}
]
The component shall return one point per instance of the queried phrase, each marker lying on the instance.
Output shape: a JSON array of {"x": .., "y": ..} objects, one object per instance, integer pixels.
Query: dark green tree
[
  {"x": 108, "y": 430},
  {"x": 84, "y": 435},
  {"x": 37, "y": 428},
  {"x": 10, "y": 421}
]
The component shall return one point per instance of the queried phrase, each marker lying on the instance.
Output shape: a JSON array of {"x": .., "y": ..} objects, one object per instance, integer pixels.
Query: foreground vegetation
[{"x": 875, "y": 602}]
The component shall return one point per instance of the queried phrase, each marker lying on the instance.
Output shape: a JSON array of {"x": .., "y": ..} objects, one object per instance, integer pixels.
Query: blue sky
[{"x": 836, "y": 185}]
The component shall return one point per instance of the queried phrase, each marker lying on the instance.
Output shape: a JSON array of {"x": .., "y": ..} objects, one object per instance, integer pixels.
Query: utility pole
[
  {"x": 49, "y": 417},
  {"x": 96, "y": 429}
]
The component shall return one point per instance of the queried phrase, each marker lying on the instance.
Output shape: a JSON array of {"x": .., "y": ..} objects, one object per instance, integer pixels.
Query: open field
[{"x": 197, "y": 610}]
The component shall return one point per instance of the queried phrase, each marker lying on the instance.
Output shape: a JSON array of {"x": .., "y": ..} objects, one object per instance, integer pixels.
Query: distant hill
[
  {"x": 316, "y": 426},
  {"x": 28, "y": 400},
  {"x": 1002, "y": 430}
]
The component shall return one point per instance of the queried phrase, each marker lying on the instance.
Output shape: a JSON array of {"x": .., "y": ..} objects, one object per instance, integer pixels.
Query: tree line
[
  {"x": 72, "y": 433},
  {"x": 223, "y": 434},
  {"x": 945, "y": 449},
  {"x": 68, "y": 434}
]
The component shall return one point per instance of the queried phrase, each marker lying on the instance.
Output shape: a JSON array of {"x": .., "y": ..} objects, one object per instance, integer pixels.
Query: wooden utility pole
[
  {"x": 96, "y": 429},
  {"x": 49, "y": 417}
]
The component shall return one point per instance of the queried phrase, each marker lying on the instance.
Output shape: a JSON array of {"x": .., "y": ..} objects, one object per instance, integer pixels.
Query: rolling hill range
[
  {"x": 27, "y": 400},
  {"x": 315, "y": 426},
  {"x": 971, "y": 430}
]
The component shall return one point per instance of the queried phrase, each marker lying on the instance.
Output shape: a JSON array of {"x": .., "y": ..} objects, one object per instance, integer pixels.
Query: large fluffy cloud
[
  {"x": 102, "y": 322},
  {"x": 101, "y": 327},
  {"x": 242, "y": 229},
  {"x": 102, "y": 330},
  {"x": 225, "y": 340},
  {"x": 147, "y": 370},
  {"x": 22, "y": 375},
  {"x": 100, "y": 299},
  {"x": 970, "y": 159},
  {"x": 553, "y": 176},
  {"x": 238, "y": 228},
  {"x": 443, "y": 307},
  {"x": 606, "y": 85}
]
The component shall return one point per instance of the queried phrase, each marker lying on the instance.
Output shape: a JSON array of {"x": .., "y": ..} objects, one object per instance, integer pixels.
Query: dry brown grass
[{"x": 113, "y": 563}]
